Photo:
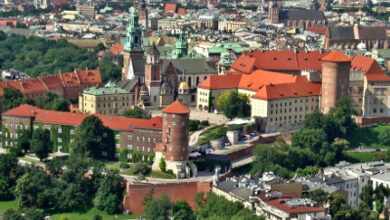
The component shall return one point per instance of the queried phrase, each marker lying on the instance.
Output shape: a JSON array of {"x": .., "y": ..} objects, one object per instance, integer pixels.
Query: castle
[{"x": 158, "y": 82}]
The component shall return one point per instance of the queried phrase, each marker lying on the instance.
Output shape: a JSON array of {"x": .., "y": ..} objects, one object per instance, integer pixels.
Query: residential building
[
  {"x": 86, "y": 9},
  {"x": 231, "y": 25},
  {"x": 258, "y": 195},
  {"x": 137, "y": 135},
  {"x": 107, "y": 100},
  {"x": 380, "y": 179}
]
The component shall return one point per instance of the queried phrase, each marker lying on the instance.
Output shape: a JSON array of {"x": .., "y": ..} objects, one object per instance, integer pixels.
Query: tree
[
  {"x": 158, "y": 209},
  {"x": 97, "y": 217},
  {"x": 111, "y": 184},
  {"x": 141, "y": 168},
  {"x": 113, "y": 204},
  {"x": 384, "y": 136},
  {"x": 320, "y": 196},
  {"x": 12, "y": 98},
  {"x": 311, "y": 139},
  {"x": 367, "y": 195},
  {"x": 40, "y": 143},
  {"x": 234, "y": 104},
  {"x": 92, "y": 139},
  {"x": 109, "y": 70},
  {"x": 136, "y": 113},
  {"x": 182, "y": 211},
  {"x": 222, "y": 100},
  {"x": 337, "y": 204},
  {"x": 60, "y": 104},
  {"x": 162, "y": 164},
  {"x": 23, "y": 141},
  {"x": 342, "y": 114}
]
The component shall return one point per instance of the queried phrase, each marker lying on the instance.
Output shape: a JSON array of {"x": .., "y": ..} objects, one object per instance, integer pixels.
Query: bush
[
  {"x": 162, "y": 164},
  {"x": 123, "y": 155},
  {"x": 141, "y": 168},
  {"x": 205, "y": 123},
  {"x": 97, "y": 217},
  {"x": 113, "y": 205},
  {"x": 124, "y": 165},
  {"x": 170, "y": 172},
  {"x": 194, "y": 125}
]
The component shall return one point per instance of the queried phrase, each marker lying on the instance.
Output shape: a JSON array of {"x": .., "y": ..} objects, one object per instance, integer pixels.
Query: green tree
[
  {"x": 384, "y": 136},
  {"x": 343, "y": 113},
  {"x": 337, "y": 203},
  {"x": 41, "y": 143},
  {"x": 34, "y": 214},
  {"x": 148, "y": 198},
  {"x": 113, "y": 204},
  {"x": 97, "y": 217},
  {"x": 182, "y": 211},
  {"x": 136, "y": 113},
  {"x": 158, "y": 209},
  {"x": 367, "y": 195},
  {"x": 234, "y": 104},
  {"x": 319, "y": 195},
  {"x": 60, "y": 104},
  {"x": 109, "y": 70},
  {"x": 23, "y": 141},
  {"x": 111, "y": 184},
  {"x": 11, "y": 98},
  {"x": 92, "y": 139},
  {"x": 222, "y": 100},
  {"x": 310, "y": 139},
  {"x": 162, "y": 164}
]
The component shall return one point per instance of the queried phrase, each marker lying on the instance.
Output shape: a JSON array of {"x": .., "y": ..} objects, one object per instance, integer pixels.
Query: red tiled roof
[
  {"x": 260, "y": 78},
  {"x": 116, "y": 49},
  {"x": 281, "y": 204},
  {"x": 170, "y": 8},
  {"x": 371, "y": 68},
  {"x": 318, "y": 30},
  {"x": 336, "y": 56},
  {"x": 75, "y": 119},
  {"x": 176, "y": 108},
  {"x": 182, "y": 11},
  {"x": 301, "y": 88},
  {"x": 279, "y": 60},
  {"x": 51, "y": 82},
  {"x": 227, "y": 81}
]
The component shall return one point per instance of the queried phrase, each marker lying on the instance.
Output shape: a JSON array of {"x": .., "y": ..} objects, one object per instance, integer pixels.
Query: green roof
[
  {"x": 220, "y": 47},
  {"x": 109, "y": 89}
]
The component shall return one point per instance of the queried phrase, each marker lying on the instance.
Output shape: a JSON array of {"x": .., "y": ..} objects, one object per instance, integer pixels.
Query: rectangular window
[
  {"x": 117, "y": 145},
  {"x": 129, "y": 146},
  {"x": 71, "y": 131},
  {"x": 59, "y": 130},
  {"x": 149, "y": 140},
  {"x": 59, "y": 140},
  {"x": 129, "y": 137},
  {"x": 148, "y": 149}
]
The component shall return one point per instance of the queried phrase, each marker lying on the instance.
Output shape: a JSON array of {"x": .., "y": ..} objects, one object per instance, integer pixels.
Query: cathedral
[{"x": 157, "y": 82}]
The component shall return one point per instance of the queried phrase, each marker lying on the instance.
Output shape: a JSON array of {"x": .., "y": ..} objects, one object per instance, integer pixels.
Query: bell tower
[
  {"x": 133, "y": 48},
  {"x": 273, "y": 12},
  {"x": 152, "y": 73}
]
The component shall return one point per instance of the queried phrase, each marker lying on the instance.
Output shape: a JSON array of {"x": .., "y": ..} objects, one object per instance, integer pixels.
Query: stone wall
[{"x": 176, "y": 191}]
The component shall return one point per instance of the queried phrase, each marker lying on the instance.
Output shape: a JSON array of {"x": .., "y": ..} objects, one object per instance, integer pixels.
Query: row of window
[
  {"x": 290, "y": 103},
  {"x": 130, "y": 147},
  {"x": 380, "y": 91},
  {"x": 285, "y": 118},
  {"x": 203, "y": 93},
  {"x": 203, "y": 100},
  {"x": 20, "y": 126}
]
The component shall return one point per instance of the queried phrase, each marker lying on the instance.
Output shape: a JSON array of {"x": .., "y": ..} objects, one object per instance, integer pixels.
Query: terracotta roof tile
[
  {"x": 336, "y": 56},
  {"x": 182, "y": 11},
  {"x": 281, "y": 204},
  {"x": 75, "y": 119},
  {"x": 260, "y": 78},
  {"x": 227, "y": 81},
  {"x": 116, "y": 49},
  {"x": 371, "y": 68},
  {"x": 176, "y": 108},
  {"x": 279, "y": 60},
  {"x": 170, "y": 8}
]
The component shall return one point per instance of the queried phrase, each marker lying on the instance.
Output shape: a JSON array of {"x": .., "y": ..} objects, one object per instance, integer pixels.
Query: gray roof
[
  {"x": 382, "y": 176},
  {"x": 296, "y": 14},
  {"x": 341, "y": 33},
  {"x": 127, "y": 84},
  {"x": 191, "y": 66},
  {"x": 240, "y": 192},
  {"x": 139, "y": 66}
]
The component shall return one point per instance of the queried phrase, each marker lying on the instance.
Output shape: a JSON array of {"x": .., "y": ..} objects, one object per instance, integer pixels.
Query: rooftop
[
  {"x": 176, "y": 108},
  {"x": 336, "y": 56}
]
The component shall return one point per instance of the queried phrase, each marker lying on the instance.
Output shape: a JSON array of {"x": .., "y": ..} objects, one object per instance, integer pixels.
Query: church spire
[
  {"x": 181, "y": 49},
  {"x": 133, "y": 33}
]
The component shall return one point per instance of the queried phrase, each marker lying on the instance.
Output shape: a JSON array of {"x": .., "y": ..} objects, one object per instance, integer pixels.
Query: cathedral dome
[{"x": 183, "y": 85}]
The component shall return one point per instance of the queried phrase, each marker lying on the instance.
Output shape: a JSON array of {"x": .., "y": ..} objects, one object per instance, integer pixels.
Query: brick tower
[
  {"x": 152, "y": 74},
  {"x": 335, "y": 79},
  {"x": 273, "y": 12},
  {"x": 174, "y": 145}
]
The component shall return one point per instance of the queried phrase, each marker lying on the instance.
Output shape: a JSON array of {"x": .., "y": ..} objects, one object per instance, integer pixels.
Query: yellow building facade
[{"x": 109, "y": 100}]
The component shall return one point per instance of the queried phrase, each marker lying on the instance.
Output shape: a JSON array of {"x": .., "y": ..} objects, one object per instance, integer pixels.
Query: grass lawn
[
  {"x": 356, "y": 157},
  {"x": 89, "y": 215},
  {"x": 153, "y": 174},
  {"x": 113, "y": 165},
  {"x": 28, "y": 159},
  {"x": 367, "y": 137},
  {"x": 4, "y": 205}
]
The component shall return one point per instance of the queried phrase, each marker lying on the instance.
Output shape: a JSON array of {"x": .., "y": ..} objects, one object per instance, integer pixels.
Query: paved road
[
  {"x": 360, "y": 149},
  {"x": 195, "y": 137}
]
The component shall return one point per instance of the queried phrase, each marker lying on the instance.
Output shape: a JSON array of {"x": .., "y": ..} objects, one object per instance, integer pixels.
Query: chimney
[
  {"x": 86, "y": 70},
  {"x": 75, "y": 70}
]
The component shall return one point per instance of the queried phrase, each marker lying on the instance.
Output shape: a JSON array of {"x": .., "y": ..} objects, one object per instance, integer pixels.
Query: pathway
[
  {"x": 202, "y": 177},
  {"x": 362, "y": 150}
]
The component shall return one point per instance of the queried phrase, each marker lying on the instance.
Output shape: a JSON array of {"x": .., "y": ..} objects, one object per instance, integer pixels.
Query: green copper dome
[{"x": 133, "y": 40}]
